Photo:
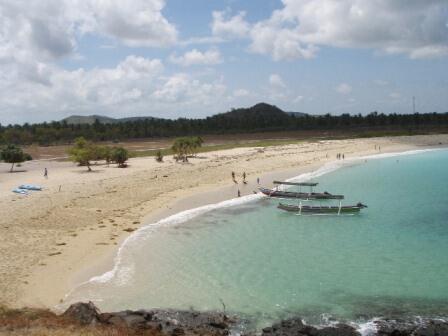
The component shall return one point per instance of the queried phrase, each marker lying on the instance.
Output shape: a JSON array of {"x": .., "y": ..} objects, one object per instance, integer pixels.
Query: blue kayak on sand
[{"x": 20, "y": 191}]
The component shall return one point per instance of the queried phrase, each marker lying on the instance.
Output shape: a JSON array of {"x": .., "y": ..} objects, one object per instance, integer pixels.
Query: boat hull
[{"x": 298, "y": 195}]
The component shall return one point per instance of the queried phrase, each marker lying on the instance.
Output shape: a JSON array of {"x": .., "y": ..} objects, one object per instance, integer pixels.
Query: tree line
[{"x": 227, "y": 123}]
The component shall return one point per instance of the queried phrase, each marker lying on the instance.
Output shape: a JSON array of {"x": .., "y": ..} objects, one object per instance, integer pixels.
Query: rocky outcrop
[
  {"x": 192, "y": 323},
  {"x": 411, "y": 328},
  {"x": 84, "y": 313},
  {"x": 169, "y": 322},
  {"x": 296, "y": 327}
]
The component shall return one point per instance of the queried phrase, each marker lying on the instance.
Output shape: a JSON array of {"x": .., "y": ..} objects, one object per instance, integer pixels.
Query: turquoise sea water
[{"x": 390, "y": 260}]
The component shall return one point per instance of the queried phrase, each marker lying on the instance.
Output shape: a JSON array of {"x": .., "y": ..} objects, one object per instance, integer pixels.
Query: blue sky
[{"x": 194, "y": 58}]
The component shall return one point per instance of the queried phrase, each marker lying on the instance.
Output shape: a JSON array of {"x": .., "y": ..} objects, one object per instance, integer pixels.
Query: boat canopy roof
[{"x": 303, "y": 184}]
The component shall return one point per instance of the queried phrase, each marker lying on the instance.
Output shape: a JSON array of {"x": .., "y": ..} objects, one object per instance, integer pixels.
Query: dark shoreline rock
[
  {"x": 185, "y": 323},
  {"x": 169, "y": 322}
]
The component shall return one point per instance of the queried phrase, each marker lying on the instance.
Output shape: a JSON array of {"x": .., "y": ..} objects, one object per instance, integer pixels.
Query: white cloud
[
  {"x": 47, "y": 30},
  {"x": 298, "y": 99},
  {"x": 196, "y": 57},
  {"x": 395, "y": 95},
  {"x": 181, "y": 88},
  {"x": 276, "y": 81},
  {"x": 135, "y": 86},
  {"x": 415, "y": 28},
  {"x": 135, "y": 23},
  {"x": 234, "y": 27},
  {"x": 241, "y": 93},
  {"x": 381, "y": 82},
  {"x": 283, "y": 43},
  {"x": 343, "y": 88}
]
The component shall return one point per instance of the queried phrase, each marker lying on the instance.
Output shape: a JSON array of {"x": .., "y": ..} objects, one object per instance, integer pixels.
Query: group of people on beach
[
  {"x": 244, "y": 181},
  {"x": 340, "y": 156},
  {"x": 234, "y": 177}
]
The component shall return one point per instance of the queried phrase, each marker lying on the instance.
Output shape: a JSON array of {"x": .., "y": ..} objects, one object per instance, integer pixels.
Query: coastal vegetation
[
  {"x": 84, "y": 152},
  {"x": 259, "y": 118},
  {"x": 186, "y": 146},
  {"x": 159, "y": 156},
  {"x": 14, "y": 155},
  {"x": 120, "y": 155}
]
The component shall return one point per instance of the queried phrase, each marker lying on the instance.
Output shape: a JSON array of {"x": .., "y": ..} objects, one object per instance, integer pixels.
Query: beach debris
[
  {"x": 54, "y": 254},
  {"x": 129, "y": 230},
  {"x": 61, "y": 244}
]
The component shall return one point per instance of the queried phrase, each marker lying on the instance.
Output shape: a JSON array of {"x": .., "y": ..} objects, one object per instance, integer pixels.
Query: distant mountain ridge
[{"x": 260, "y": 110}]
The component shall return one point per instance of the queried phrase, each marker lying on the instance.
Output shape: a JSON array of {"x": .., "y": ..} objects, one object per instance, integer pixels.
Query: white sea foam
[
  {"x": 368, "y": 328},
  {"x": 122, "y": 276},
  {"x": 335, "y": 165}
]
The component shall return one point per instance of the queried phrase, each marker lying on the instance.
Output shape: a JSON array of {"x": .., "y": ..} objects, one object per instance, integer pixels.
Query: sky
[{"x": 195, "y": 58}]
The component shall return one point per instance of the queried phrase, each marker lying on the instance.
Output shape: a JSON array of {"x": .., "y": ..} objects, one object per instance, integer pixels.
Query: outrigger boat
[
  {"x": 322, "y": 210},
  {"x": 299, "y": 195}
]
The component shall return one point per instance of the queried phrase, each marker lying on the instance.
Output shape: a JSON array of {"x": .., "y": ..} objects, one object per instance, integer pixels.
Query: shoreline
[
  {"x": 47, "y": 285},
  {"x": 202, "y": 200}
]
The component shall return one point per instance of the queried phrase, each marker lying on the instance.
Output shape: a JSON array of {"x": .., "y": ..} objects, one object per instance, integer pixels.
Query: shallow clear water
[{"x": 392, "y": 259}]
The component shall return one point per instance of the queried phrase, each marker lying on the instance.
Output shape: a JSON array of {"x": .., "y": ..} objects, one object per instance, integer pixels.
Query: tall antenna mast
[{"x": 413, "y": 103}]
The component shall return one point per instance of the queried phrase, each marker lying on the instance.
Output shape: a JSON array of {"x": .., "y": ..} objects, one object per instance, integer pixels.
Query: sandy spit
[{"x": 53, "y": 239}]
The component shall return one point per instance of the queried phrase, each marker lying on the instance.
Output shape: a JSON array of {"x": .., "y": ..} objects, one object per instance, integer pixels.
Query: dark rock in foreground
[
  {"x": 169, "y": 322},
  {"x": 296, "y": 327},
  {"x": 409, "y": 328},
  {"x": 184, "y": 323}
]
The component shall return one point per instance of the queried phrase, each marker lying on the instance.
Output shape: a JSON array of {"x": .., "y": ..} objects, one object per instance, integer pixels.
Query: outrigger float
[
  {"x": 299, "y": 194},
  {"x": 301, "y": 209}
]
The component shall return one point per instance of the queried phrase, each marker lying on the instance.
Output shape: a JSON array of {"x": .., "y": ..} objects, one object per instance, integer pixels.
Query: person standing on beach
[
  {"x": 233, "y": 177},
  {"x": 244, "y": 177},
  {"x": 258, "y": 180},
  {"x": 239, "y": 193},
  {"x": 46, "y": 173}
]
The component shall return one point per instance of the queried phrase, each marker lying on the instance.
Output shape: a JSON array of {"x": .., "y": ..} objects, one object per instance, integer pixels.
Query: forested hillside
[{"x": 259, "y": 118}]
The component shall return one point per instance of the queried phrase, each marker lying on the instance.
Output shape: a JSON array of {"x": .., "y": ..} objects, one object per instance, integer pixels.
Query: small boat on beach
[
  {"x": 20, "y": 191},
  {"x": 299, "y": 194},
  {"x": 30, "y": 187},
  {"x": 322, "y": 209}
]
